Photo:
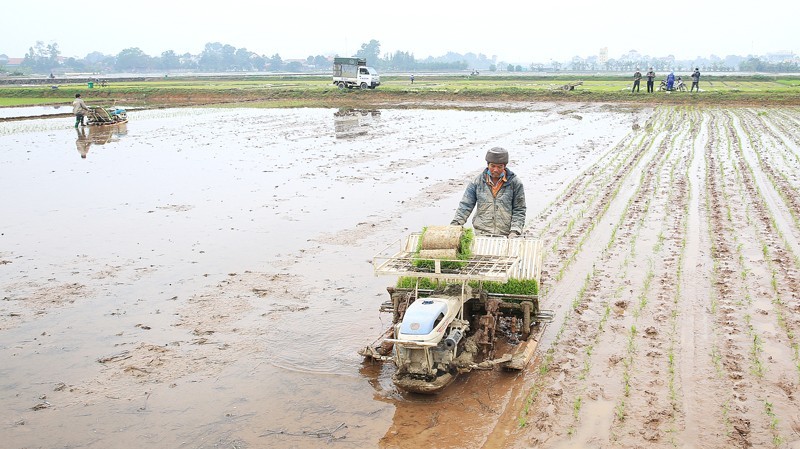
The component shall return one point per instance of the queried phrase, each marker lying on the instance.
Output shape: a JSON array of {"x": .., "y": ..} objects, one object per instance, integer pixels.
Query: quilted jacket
[{"x": 498, "y": 215}]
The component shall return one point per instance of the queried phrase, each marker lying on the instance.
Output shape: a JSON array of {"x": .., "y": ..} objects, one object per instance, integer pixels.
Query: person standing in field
[
  {"x": 670, "y": 80},
  {"x": 80, "y": 109},
  {"x": 651, "y": 76},
  {"x": 412, "y": 78},
  {"x": 695, "y": 79},
  {"x": 498, "y": 198},
  {"x": 637, "y": 78}
]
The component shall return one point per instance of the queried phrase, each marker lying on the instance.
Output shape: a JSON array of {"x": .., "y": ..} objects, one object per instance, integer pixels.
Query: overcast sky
[{"x": 531, "y": 31}]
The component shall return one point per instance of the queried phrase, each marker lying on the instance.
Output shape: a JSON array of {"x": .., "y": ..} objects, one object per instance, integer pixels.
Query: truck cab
[{"x": 354, "y": 72}]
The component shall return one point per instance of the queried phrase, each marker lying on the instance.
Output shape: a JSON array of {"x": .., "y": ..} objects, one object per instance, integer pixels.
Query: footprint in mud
[{"x": 620, "y": 307}]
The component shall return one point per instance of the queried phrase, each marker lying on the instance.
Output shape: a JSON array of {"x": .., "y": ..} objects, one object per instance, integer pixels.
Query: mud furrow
[
  {"x": 621, "y": 371},
  {"x": 779, "y": 174},
  {"x": 647, "y": 410},
  {"x": 730, "y": 350},
  {"x": 786, "y": 121},
  {"x": 584, "y": 351},
  {"x": 740, "y": 328},
  {"x": 576, "y": 211},
  {"x": 781, "y": 258},
  {"x": 581, "y": 228}
]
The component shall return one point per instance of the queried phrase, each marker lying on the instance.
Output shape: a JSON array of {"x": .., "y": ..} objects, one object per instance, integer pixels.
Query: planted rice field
[{"x": 201, "y": 277}]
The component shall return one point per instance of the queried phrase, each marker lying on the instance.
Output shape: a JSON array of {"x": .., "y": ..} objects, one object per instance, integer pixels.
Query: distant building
[
  {"x": 631, "y": 56},
  {"x": 602, "y": 58},
  {"x": 13, "y": 62},
  {"x": 780, "y": 56}
]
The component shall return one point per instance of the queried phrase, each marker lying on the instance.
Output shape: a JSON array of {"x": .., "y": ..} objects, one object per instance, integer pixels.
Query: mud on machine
[{"x": 462, "y": 302}]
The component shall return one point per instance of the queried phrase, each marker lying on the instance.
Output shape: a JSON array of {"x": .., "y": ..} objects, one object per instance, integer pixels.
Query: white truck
[{"x": 353, "y": 72}]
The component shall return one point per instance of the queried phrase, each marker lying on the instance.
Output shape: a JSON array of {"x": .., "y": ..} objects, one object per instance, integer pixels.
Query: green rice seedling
[
  {"x": 511, "y": 287},
  {"x": 716, "y": 359},
  {"x": 547, "y": 360},
  {"x": 411, "y": 282},
  {"x": 671, "y": 371},
  {"x": 631, "y": 339},
  {"x": 755, "y": 352},
  {"x": 648, "y": 281},
  {"x": 619, "y": 411},
  {"x": 606, "y": 312},
  {"x": 660, "y": 242},
  {"x": 777, "y": 439},
  {"x": 726, "y": 417},
  {"x": 464, "y": 252},
  {"x": 522, "y": 420}
]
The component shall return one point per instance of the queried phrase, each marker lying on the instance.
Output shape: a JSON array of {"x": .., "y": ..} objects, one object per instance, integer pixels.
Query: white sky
[{"x": 529, "y": 31}]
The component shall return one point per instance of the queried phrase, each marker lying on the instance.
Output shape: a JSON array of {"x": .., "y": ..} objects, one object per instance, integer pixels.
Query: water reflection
[
  {"x": 350, "y": 123},
  {"x": 82, "y": 143},
  {"x": 98, "y": 135}
]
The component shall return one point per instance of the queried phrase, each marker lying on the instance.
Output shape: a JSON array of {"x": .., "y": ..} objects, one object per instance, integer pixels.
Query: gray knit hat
[{"x": 497, "y": 155}]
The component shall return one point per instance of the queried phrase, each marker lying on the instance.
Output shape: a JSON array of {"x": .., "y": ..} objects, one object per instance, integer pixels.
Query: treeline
[
  {"x": 729, "y": 64},
  {"x": 215, "y": 57},
  {"x": 757, "y": 65},
  {"x": 218, "y": 57}
]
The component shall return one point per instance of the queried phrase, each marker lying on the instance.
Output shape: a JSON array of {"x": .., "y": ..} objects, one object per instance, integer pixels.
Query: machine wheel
[
  {"x": 341, "y": 85},
  {"x": 364, "y": 86}
]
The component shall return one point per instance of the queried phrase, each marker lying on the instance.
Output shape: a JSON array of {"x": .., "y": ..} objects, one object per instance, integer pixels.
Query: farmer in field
[
  {"x": 637, "y": 78},
  {"x": 497, "y": 196},
  {"x": 695, "y": 79},
  {"x": 651, "y": 76},
  {"x": 80, "y": 109},
  {"x": 670, "y": 80}
]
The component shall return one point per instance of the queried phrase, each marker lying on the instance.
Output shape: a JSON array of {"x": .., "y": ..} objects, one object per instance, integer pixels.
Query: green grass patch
[{"x": 318, "y": 90}]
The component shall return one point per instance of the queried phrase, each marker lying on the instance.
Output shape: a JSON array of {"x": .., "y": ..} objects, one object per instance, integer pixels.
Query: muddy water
[
  {"x": 201, "y": 277},
  {"x": 32, "y": 111}
]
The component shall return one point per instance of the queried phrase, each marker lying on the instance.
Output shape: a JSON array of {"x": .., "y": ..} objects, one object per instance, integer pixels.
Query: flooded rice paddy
[{"x": 201, "y": 278}]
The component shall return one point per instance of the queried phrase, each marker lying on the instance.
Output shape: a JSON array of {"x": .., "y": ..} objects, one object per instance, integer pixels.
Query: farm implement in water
[
  {"x": 98, "y": 116},
  {"x": 451, "y": 314}
]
